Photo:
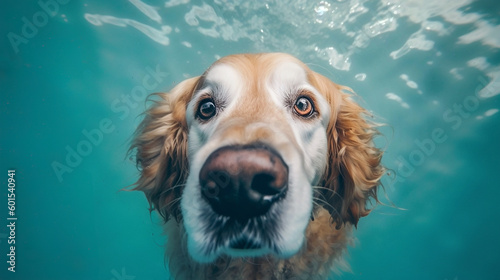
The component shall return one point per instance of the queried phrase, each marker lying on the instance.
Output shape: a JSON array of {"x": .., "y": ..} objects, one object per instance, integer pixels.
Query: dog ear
[
  {"x": 161, "y": 150},
  {"x": 354, "y": 169}
]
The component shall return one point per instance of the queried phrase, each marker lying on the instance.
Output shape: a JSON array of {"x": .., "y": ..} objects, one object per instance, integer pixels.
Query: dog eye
[
  {"x": 206, "y": 109},
  {"x": 303, "y": 107}
]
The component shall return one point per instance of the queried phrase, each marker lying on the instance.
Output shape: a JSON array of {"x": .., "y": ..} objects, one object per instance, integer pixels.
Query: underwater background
[{"x": 72, "y": 90}]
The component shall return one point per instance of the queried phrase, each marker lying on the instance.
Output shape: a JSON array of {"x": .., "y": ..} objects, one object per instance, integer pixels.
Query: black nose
[{"x": 243, "y": 181}]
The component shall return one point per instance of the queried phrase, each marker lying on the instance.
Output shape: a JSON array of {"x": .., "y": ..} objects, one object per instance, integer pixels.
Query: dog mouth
[
  {"x": 245, "y": 243},
  {"x": 253, "y": 236},
  {"x": 244, "y": 187}
]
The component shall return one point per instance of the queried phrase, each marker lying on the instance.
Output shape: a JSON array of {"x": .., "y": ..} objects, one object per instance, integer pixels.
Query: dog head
[{"x": 243, "y": 155}]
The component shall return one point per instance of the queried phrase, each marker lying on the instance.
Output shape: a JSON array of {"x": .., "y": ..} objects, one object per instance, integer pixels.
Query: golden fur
[{"x": 352, "y": 175}]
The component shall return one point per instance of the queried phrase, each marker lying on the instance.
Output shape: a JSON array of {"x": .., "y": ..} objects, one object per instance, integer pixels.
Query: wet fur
[{"x": 351, "y": 177}]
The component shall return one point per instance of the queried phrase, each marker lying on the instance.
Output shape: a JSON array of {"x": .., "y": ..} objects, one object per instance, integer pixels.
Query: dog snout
[{"x": 243, "y": 181}]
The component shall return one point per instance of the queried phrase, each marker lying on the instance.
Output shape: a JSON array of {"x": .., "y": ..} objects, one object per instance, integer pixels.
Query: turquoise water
[{"x": 72, "y": 89}]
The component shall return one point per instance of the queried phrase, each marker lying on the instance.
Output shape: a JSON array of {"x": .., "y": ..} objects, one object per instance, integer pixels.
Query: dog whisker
[{"x": 229, "y": 154}]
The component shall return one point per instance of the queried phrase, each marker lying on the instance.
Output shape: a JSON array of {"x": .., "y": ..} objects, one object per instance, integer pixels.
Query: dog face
[
  {"x": 245, "y": 153},
  {"x": 256, "y": 144}
]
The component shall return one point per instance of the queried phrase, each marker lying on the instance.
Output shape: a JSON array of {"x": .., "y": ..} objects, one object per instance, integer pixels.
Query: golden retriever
[{"x": 264, "y": 166}]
